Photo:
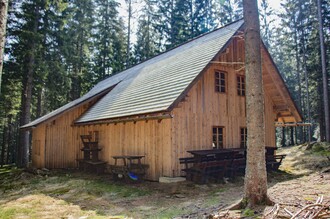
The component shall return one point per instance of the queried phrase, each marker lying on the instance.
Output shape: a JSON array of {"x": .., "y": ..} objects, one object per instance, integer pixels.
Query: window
[
  {"x": 243, "y": 137},
  {"x": 220, "y": 81},
  {"x": 218, "y": 137},
  {"x": 240, "y": 85}
]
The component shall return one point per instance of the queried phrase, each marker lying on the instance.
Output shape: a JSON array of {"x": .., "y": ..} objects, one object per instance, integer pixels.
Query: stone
[{"x": 164, "y": 179}]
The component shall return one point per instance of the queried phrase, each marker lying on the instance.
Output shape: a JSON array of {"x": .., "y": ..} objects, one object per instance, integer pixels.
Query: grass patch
[
  {"x": 169, "y": 213},
  {"x": 98, "y": 187},
  {"x": 9, "y": 213},
  {"x": 58, "y": 191},
  {"x": 248, "y": 213}
]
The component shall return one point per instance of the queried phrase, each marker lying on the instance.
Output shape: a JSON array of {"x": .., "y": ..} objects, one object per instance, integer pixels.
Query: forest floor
[{"x": 70, "y": 194}]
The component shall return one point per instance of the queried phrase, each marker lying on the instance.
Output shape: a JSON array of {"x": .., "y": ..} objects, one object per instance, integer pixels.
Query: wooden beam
[
  {"x": 278, "y": 124},
  {"x": 227, "y": 63},
  {"x": 124, "y": 120}
]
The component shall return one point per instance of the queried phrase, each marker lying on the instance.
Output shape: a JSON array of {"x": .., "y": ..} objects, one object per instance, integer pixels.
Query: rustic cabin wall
[
  {"x": 150, "y": 138},
  {"x": 38, "y": 146},
  {"x": 62, "y": 141},
  {"x": 204, "y": 108}
]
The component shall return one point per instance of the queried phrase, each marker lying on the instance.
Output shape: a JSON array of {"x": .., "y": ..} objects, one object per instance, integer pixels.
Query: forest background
[{"x": 56, "y": 50}]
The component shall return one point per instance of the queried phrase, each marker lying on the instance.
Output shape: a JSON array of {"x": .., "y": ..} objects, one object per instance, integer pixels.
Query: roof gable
[
  {"x": 151, "y": 86},
  {"x": 154, "y": 85}
]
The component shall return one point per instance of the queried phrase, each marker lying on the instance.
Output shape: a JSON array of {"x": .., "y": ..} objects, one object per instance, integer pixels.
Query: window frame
[
  {"x": 219, "y": 82},
  {"x": 243, "y": 137},
  {"x": 241, "y": 82},
  {"x": 215, "y": 135}
]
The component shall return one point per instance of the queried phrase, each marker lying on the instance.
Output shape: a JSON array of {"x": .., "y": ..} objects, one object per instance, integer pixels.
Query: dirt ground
[{"x": 70, "y": 194}]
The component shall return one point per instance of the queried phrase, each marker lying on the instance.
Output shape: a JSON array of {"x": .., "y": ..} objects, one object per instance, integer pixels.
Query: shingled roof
[{"x": 154, "y": 85}]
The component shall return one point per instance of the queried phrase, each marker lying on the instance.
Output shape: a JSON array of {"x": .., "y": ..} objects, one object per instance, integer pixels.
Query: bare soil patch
[{"x": 71, "y": 194}]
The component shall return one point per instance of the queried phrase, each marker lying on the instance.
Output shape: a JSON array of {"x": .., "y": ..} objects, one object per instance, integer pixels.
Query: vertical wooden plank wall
[
  {"x": 62, "y": 142},
  {"x": 204, "y": 108},
  {"x": 38, "y": 140},
  {"x": 162, "y": 142},
  {"x": 150, "y": 138}
]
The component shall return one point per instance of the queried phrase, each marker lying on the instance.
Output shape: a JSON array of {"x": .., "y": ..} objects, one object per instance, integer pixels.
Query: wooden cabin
[{"x": 191, "y": 97}]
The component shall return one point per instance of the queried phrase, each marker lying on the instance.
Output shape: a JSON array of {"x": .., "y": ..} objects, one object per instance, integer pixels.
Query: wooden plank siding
[
  {"x": 204, "y": 108},
  {"x": 164, "y": 141},
  {"x": 151, "y": 138}
]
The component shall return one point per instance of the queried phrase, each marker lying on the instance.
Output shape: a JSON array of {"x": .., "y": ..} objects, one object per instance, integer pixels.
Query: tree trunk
[
  {"x": 291, "y": 136},
  {"x": 39, "y": 102},
  {"x": 23, "y": 147},
  {"x": 283, "y": 137},
  {"x": 128, "y": 33},
  {"x": 9, "y": 137},
  {"x": 255, "y": 185},
  {"x": 4, "y": 143},
  {"x": 324, "y": 75},
  {"x": 303, "y": 39},
  {"x": 3, "y": 24},
  {"x": 299, "y": 82}
]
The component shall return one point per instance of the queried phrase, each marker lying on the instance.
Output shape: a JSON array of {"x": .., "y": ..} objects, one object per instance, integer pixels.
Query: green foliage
[
  {"x": 100, "y": 187},
  {"x": 322, "y": 149},
  {"x": 13, "y": 212},
  {"x": 248, "y": 213}
]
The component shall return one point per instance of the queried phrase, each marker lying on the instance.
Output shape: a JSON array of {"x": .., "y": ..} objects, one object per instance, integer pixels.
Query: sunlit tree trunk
[
  {"x": 3, "y": 23},
  {"x": 255, "y": 185},
  {"x": 25, "y": 117},
  {"x": 324, "y": 75},
  {"x": 128, "y": 49}
]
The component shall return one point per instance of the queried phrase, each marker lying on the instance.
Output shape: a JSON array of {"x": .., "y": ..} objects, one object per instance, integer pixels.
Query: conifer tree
[
  {"x": 3, "y": 24},
  {"x": 146, "y": 45},
  {"x": 79, "y": 41}
]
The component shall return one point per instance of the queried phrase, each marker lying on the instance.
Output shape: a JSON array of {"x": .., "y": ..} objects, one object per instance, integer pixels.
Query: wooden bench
[
  {"x": 273, "y": 162},
  {"x": 187, "y": 161},
  {"x": 97, "y": 167},
  {"x": 236, "y": 166},
  {"x": 205, "y": 171}
]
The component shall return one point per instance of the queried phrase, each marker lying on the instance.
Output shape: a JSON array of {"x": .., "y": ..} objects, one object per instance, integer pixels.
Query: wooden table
[
  {"x": 213, "y": 154},
  {"x": 126, "y": 165},
  {"x": 212, "y": 163}
]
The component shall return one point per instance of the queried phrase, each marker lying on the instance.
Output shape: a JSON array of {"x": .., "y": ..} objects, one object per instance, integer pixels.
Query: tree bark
[
  {"x": 25, "y": 117},
  {"x": 291, "y": 136},
  {"x": 255, "y": 184},
  {"x": 4, "y": 144},
  {"x": 9, "y": 137},
  {"x": 283, "y": 137},
  {"x": 324, "y": 75},
  {"x": 3, "y": 24},
  {"x": 303, "y": 39},
  {"x": 128, "y": 33}
]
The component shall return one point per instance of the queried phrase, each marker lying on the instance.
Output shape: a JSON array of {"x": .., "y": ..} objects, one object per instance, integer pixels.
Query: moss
[
  {"x": 8, "y": 213},
  {"x": 100, "y": 187},
  {"x": 248, "y": 213}
]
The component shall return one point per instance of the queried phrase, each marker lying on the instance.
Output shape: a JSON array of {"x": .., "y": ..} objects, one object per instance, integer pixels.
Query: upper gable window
[
  {"x": 241, "y": 85},
  {"x": 220, "y": 81}
]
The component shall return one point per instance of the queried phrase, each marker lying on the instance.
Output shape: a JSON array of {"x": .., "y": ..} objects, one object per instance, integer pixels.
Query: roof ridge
[{"x": 171, "y": 49}]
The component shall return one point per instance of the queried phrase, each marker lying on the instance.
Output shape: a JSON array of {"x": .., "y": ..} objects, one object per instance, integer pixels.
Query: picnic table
[
  {"x": 210, "y": 164},
  {"x": 217, "y": 163},
  {"x": 128, "y": 166}
]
